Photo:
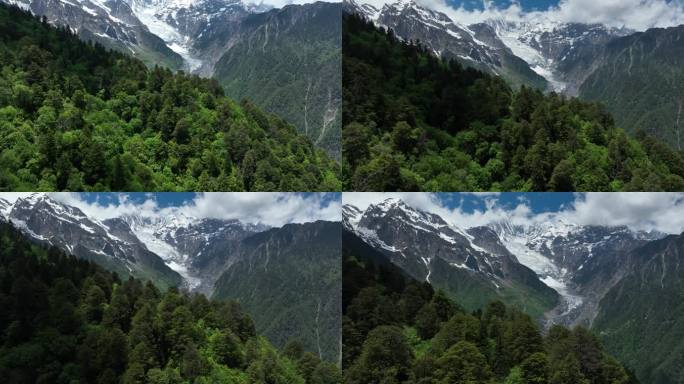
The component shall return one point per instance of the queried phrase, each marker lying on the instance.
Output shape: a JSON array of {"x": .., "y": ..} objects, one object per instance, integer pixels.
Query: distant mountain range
[
  {"x": 638, "y": 76},
  {"x": 607, "y": 278},
  {"x": 286, "y": 60},
  {"x": 252, "y": 263}
]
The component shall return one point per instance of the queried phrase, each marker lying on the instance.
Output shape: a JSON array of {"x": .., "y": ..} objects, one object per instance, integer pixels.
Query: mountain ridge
[{"x": 581, "y": 263}]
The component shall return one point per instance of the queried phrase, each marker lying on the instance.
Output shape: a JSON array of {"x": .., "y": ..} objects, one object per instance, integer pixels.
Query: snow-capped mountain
[
  {"x": 476, "y": 46},
  {"x": 112, "y": 23},
  {"x": 195, "y": 248},
  {"x": 473, "y": 263},
  {"x": 188, "y": 26},
  {"x": 50, "y": 222},
  {"x": 563, "y": 53},
  {"x": 175, "y": 249},
  {"x": 157, "y": 31},
  {"x": 578, "y": 263},
  {"x": 542, "y": 53}
]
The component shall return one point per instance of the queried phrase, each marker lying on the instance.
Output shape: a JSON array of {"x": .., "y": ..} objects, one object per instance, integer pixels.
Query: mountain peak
[{"x": 391, "y": 202}]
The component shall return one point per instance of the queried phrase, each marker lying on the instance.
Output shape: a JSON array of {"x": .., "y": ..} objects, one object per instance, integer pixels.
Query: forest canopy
[
  {"x": 412, "y": 121},
  {"x": 75, "y": 116},
  {"x": 65, "y": 320}
]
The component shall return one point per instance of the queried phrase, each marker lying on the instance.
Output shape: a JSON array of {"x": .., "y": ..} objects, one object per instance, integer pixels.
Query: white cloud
[
  {"x": 273, "y": 209},
  {"x": 637, "y": 210},
  {"x": 640, "y": 211},
  {"x": 634, "y": 14}
]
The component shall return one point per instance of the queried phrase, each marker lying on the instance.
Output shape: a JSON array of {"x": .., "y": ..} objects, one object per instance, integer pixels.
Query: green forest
[
  {"x": 414, "y": 122},
  {"x": 398, "y": 330},
  {"x": 76, "y": 116},
  {"x": 66, "y": 320}
]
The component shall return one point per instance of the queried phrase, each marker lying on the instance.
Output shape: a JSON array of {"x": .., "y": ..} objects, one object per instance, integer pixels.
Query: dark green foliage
[
  {"x": 289, "y": 280},
  {"x": 75, "y": 116},
  {"x": 641, "y": 319},
  {"x": 294, "y": 71},
  {"x": 498, "y": 344},
  {"x": 67, "y": 320},
  {"x": 640, "y": 79},
  {"x": 412, "y": 121}
]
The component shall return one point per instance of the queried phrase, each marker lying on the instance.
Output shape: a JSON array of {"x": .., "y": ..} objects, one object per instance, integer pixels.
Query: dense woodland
[
  {"x": 414, "y": 122},
  {"x": 397, "y": 330},
  {"x": 75, "y": 116},
  {"x": 66, "y": 320}
]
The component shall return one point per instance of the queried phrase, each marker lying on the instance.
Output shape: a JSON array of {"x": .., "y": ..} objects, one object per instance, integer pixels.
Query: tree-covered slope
[
  {"x": 66, "y": 320},
  {"x": 287, "y": 61},
  {"x": 289, "y": 279},
  {"x": 74, "y": 116},
  {"x": 397, "y": 330},
  {"x": 414, "y": 122},
  {"x": 640, "y": 78},
  {"x": 641, "y": 319}
]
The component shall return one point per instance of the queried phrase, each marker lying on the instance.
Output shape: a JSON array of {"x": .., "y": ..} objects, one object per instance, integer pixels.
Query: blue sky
[
  {"x": 172, "y": 199},
  {"x": 538, "y": 202},
  {"x": 164, "y": 199}
]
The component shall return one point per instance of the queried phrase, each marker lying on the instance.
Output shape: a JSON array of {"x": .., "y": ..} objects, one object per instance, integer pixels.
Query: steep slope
[
  {"x": 288, "y": 62},
  {"x": 475, "y": 46},
  {"x": 114, "y": 247},
  {"x": 641, "y": 319},
  {"x": 111, "y": 23},
  {"x": 641, "y": 81},
  {"x": 472, "y": 265},
  {"x": 637, "y": 76},
  {"x": 415, "y": 122},
  {"x": 92, "y": 119},
  {"x": 289, "y": 279}
]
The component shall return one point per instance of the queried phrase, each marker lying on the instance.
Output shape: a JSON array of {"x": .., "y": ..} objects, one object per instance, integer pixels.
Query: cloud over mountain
[
  {"x": 662, "y": 212},
  {"x": 634, "y": 14},
  {"x": 272, "y": 209}
]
